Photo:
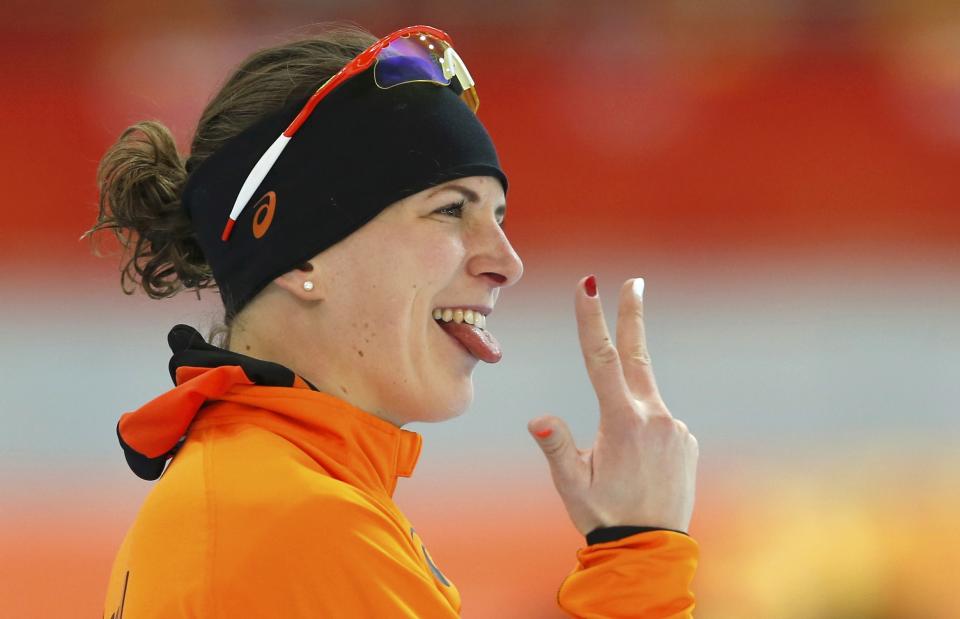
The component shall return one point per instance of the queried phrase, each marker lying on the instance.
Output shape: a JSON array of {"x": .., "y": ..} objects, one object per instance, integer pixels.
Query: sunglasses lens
[{"x": 412, "y": 59}]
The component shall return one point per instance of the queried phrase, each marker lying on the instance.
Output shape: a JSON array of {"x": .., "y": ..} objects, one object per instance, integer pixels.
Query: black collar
[{"x": 191, "y": 350}]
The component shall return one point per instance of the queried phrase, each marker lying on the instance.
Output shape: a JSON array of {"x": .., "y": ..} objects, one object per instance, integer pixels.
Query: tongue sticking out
[{"x": 479, "y": 342}]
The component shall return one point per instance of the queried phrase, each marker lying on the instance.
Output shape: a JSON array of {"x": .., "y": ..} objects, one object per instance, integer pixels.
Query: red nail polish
[
  {"x": 544, "y": 433},
  {"x": 590, "y": 285}
]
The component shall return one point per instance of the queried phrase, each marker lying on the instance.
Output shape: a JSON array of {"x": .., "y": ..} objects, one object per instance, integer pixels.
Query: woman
[{"x": 354, "y": 232}]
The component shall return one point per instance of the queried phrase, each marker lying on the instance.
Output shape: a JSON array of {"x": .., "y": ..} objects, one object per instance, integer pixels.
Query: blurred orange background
[{"x": 784, "y": 174}]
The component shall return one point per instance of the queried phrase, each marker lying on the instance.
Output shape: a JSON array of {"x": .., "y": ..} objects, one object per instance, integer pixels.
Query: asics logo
[{"x": 263, "y": 215}]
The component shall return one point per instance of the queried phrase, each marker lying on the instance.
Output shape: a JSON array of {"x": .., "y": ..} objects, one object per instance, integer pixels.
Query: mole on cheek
[{"x": 359, "y": 352}]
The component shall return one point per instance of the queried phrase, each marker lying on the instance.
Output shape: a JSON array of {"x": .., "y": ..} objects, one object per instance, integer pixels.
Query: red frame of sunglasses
[{"x": 359, "y": 64}]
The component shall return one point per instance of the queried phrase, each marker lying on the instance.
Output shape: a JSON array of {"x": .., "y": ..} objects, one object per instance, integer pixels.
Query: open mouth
[
  {"x": 468, "y": 327},
  {"x": 469, "y": 316}
]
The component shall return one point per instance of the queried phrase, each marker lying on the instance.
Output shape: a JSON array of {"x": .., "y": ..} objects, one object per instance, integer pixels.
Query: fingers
[
  {"x": 632, "y": 343},
  {"x": 599, "y": 354},
  {"x": 554, "y": 438}
]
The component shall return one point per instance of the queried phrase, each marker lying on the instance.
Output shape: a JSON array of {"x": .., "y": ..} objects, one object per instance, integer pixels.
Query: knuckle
[
  {"x": 655, "y": 406},
  {"x": 662, "y": 423},
  {"x": 633, "y": 421},
  {"x": 554, "y": 449},
  {"x": 667, "y": 428},
  {"x": 591, "y": 315},
  {"x": 605, "y": 353},
  {"x": 639, "y": 354},
  {"x": 633, "y": 311}
]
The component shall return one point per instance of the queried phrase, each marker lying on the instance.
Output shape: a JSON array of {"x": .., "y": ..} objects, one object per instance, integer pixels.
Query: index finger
[
  {"x": 632, "y": 342},
  {"x": 599, "y": 354}
]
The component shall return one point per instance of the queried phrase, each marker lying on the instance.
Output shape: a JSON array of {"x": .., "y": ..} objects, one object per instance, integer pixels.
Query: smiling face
[{"x": 373, "y": 340}]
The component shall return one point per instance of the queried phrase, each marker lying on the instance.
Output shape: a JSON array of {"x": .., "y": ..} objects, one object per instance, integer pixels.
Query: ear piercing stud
[{"x": 308, "y": 285}]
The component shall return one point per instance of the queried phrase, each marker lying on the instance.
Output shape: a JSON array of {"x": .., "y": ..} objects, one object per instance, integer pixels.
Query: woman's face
[{"x": 375, "y": 341}]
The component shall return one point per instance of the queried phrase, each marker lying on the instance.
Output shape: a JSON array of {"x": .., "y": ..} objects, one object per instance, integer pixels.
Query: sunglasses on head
[{"x": 409, "y": 55}]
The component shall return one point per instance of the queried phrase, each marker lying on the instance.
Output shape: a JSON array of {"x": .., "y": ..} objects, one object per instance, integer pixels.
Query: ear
[{"x": 293, "y": 282}]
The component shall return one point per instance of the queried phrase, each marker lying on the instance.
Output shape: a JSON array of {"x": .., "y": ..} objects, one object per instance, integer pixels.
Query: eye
[{"x": 453, "y": 210}]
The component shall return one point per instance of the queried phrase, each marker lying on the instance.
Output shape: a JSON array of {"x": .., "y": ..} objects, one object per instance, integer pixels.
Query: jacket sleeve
[
  {"x": 644, "y": 575},
  {"x": 334, "y": 557}
]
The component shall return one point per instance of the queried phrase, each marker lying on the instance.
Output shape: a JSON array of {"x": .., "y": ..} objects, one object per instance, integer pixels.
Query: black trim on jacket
[{"x": 601, "y": 535}]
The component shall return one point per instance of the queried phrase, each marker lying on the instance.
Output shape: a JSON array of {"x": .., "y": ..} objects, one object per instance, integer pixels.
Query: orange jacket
[{"x": 278, "y": 504}]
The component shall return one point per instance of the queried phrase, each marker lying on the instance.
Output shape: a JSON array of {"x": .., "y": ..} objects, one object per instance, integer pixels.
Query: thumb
[{"x": 554, "y": 438}]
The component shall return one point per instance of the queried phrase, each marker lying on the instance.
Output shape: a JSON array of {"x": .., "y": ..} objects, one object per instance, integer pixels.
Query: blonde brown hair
[{"x": 141, "y": 177}]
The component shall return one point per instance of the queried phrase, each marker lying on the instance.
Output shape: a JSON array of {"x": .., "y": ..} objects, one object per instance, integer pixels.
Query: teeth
[{"x": 468, "y": 316}]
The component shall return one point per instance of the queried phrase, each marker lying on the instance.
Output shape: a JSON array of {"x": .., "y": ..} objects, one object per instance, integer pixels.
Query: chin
[{"x": 444, "y": 406}]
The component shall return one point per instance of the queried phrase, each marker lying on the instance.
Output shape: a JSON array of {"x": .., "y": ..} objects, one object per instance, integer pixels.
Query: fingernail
[
  {"x": 638, "y": 287},
  {"x": 544, "y": 433},
  {"x": 590, "y": 286}
]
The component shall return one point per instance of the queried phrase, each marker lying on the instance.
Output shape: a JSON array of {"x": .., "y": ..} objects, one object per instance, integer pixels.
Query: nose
[{"x": 494, "y": 257}]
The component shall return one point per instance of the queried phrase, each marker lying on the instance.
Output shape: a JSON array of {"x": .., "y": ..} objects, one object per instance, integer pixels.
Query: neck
[{"x": 306, "y": 361}]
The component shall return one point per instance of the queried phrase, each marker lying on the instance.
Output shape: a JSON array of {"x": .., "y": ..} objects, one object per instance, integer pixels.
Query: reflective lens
[
  {"x": 409, "y": 59},
  {"x": 421, "y": 58}
]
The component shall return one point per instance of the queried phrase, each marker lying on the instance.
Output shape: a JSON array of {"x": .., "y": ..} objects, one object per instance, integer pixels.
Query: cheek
[
  {"x": 413, "y": 259},
  {"x": 438, "y": 257}
]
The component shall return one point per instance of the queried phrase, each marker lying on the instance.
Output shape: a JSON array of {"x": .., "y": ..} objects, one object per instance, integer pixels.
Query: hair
[{"x": 141, "y": 177}]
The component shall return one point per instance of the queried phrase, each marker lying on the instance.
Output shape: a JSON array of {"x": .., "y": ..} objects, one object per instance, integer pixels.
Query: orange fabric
[
  {"x": 159, "y": 424},
  {"x": 279, "y": 504},
  {"x": 644, "y": 575}
]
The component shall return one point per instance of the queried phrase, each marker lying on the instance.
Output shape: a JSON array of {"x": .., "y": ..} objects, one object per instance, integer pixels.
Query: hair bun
[{"x": 140, "y": 180}]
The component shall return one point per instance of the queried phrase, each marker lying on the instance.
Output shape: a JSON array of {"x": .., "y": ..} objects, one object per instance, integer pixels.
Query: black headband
[{"x": 362, "y": 149}]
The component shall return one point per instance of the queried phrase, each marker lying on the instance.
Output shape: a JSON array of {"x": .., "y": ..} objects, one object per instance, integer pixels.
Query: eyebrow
[{"x": 470, "y": 195}]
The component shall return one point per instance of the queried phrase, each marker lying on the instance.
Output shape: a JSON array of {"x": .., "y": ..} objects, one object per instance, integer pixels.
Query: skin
[
  {"x": 642, "y": 467},
  {"x": 366, "y": 334}
]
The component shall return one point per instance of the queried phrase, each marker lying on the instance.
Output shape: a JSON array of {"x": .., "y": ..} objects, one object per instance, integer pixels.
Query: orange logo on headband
[{"x": 263, "y": 216}]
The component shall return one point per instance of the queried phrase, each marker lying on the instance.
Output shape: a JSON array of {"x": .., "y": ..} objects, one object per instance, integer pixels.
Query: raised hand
[{"x": 641, "y": 470}]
